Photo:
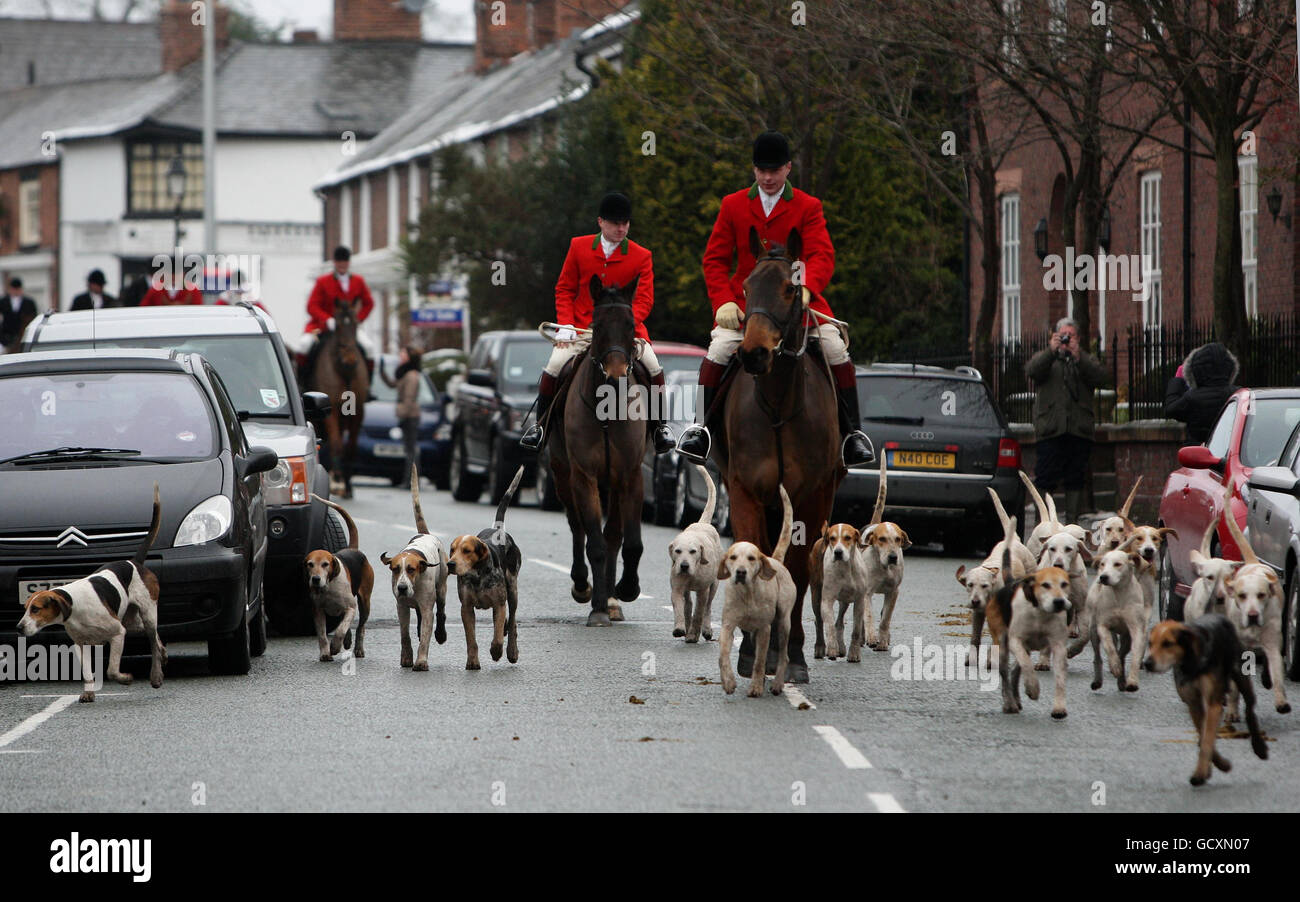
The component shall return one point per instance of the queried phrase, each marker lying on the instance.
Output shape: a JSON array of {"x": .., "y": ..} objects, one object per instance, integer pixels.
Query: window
[
  {"x": 147, "y": 178},
  {"x": 1150, "y": 225},
  {"x": 29, "y": 212},
  {"x": 1222, "y": 435},
  {"x": 363, "y": 241},
  {"x": 1249, "y": 168},
  {"x": 345, "y": 215},
  {"x": 1011, "y": 267}
]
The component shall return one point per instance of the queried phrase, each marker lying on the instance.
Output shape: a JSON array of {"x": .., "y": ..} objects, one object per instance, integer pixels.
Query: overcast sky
[{"x": 443, "y": 20}]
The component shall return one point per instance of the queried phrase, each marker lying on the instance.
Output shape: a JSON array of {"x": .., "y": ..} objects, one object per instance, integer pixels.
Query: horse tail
[
  {"x": 143, "y": 551},
  {"x": 354, "y": 536},
  {"x": 506, "y": 498},
  {"x": 879, "y": 512},
  {"x": 787, "y": 520},
  {"x": 420, "y": 525},
  {"x": 707, "y": 517}
]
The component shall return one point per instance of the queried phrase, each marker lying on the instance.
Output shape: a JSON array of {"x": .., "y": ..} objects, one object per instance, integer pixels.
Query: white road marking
[
  {"x": 852, "y": 758},
  {"x": 797, "y": 698},
  {"x": 36, "y": 720},
  {"x": 886, "y": 803},
  {"x": 62, "y": 695},
  {"x": 20, "y": 751},
  {"x": 537, "y": 560}
]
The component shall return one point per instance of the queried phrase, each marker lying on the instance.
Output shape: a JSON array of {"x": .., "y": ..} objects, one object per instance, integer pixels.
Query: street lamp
[
  {"x": 1274, "y": 200},
  {"x": 176, "y": 191},
  {"x": 1040, "y": 239}
]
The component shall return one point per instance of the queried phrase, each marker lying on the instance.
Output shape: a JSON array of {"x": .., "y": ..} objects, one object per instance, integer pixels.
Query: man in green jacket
[{"x": 1064, "y": 379}]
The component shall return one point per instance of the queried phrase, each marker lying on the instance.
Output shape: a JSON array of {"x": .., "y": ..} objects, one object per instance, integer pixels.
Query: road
[{"x": 620, "y": 719}]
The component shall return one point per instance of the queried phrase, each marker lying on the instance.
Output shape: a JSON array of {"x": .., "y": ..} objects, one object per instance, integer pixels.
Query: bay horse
[
  {"x": 597, "y": 451},
  {"x": 779, "y": 427},
  {"x": 341, "y": 373}
]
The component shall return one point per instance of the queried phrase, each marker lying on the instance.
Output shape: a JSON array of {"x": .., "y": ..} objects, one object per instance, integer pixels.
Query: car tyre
[
  {"x": 1291, "y": 628},
  {"x": 498, "y": 477},
  {"x": 231, "y": 655},
  {"x": 722, "y": 511},
  {"x": 465, "y": 486},
  {"x": 544, "y": 488},
  {"x": 1169, "y": 604},
  {"x": 257, "y": 632},
  {"x": 683, "y": 511},
  {"x": 666, "y": 512}
]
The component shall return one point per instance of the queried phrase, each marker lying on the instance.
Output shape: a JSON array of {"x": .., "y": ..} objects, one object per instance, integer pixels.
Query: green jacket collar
[
  {"x": 595, "y": 244},
  {"x": 787, "y": 193}
]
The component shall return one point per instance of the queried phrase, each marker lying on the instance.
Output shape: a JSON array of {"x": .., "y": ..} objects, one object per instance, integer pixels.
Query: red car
[{"x": 1250, "y": 432}]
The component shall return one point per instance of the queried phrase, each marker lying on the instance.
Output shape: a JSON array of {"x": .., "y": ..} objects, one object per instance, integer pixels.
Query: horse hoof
[
  {"x": 597, "y": 618},
  {"x": 678, "y": 632},
  {"x": 616, "y": 613},
  {"x": 581, "y": 596},
  {"x": 796, "y": 672},
  {"x": 627, "y": 591}
]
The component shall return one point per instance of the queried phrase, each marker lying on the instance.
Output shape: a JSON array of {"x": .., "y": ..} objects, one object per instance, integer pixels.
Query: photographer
[{"x": 1064, "y": 378}]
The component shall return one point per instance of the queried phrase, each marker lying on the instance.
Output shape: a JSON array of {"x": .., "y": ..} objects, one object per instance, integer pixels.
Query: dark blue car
[{"x": 380, "y": 451}]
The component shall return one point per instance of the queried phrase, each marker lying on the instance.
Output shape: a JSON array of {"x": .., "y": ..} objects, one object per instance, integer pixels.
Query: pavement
[{"x": 619, "y": 719}]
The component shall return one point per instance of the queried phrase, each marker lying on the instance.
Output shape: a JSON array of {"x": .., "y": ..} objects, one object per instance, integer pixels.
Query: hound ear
[
  {"x": 597, "y": 288},
  {"x": 961, "y": 574},
  {"x": 766, "y": 571},
  {"x": 424, "y": 565},
  {"x": 671, "y": 548},
  {"x": 64, "y": 601},
  {"x": 724, "y": 572},
  {"x": 1166, "y": 531},
  {"x": 704, "y": 558},
  {"x": 386, "y": 559},
  {"x": 1085, "y": 554},
  {"x": 794, "y": 245},
  {"x": 755, "y": 243},
  {"x": 1027, "y": 588},
  {"x": 907, "y": 543},
  {"x": 1190, "y": 643},
  {"x": 334, "y": 567}
]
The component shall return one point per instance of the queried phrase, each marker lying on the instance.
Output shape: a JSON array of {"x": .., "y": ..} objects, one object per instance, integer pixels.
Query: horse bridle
[
  {"x": 789, "y": 324},
  {"x": 628, "y": 355}
]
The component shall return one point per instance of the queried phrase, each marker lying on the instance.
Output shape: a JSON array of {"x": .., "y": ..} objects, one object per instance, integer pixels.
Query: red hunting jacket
[
  {"x": 585, "y": 259},
  {"x": 327, "y": 290},
  {"x": 158, "y": 297},
  {"x": 730, "y": 241}
]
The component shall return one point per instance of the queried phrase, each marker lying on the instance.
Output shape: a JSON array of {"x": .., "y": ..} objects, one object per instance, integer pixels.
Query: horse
[
  {"x": 341, "y": 373},
  {"x": 598, "y": 451},
  {"x": 779, "y": 427}
]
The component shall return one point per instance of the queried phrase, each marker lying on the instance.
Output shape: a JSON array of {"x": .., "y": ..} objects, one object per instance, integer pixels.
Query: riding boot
[
  {"x": 857, "y": 448},
  {"x": 1073, "y": 505},
  {"x": 532, "y": 439},
  {"x": 660, "y": 434},
  {"x": 696, "y": 441}
]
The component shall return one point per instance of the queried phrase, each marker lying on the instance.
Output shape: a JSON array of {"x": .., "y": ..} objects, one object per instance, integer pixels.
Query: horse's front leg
[
  {"x": 629, "y": 508},
  {"x": 334, "y": 437},
  {"x": 586, "y": 500},
  {"x": 613, "y": 533},
  {"x": 350, "y": 452}
]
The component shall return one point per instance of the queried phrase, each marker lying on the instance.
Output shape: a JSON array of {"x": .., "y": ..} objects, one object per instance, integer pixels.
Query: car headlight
[
  {"x": 287, "y": 483},
  {"x": 207, "y": 522},
  {"x": 443, "y": 432}
]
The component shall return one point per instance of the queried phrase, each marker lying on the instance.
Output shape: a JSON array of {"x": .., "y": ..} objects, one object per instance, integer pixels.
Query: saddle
[
  {"x": 563, "y": 381},
  {"x": 714, "y": 413}
]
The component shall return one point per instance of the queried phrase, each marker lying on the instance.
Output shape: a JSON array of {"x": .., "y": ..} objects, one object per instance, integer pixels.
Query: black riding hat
[
  {"x": 615, "y": 207},
  {"x": 771, "y": 150},
  {"x": 342, "y": 253}
]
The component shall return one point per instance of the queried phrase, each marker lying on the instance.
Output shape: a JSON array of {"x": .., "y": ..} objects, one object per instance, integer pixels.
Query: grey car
[
  {"x": 675, "y": 492},
  {"x": 1273, "y": 528}
]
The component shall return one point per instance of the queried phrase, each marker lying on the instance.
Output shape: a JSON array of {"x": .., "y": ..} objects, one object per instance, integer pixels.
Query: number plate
[
  {"x": 389, "y": 451},
  {"x": 27, "y": 587},
  {"x": 923, "y": 460}
]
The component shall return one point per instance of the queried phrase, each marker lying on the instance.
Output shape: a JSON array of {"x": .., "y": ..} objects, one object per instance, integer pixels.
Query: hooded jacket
[{"x": 1209, "y": 378}]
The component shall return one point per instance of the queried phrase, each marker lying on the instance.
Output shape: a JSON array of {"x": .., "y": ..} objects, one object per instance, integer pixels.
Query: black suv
[
  {"x": 87, "y": 435},
  {"x": 492, "y": 412},
  {"x": 946, "y": 443},
  {"x": 245, "y": 346}
]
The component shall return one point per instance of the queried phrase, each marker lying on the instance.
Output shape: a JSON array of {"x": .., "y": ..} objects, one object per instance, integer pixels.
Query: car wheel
[
  {"x": 257, "y": 632},
  {"x": 1291, "y": 629},
  {"x": 682, "y": 510},
  {"x": 231, "y": 655},
  {"x": 722, "y": 512},
  {"x": 665, "y": 511},
  {"x": 1165, "y": 598},
  {"x": 465, "y": 486},
  {"x": 498, "y": 477},
  {"x": 336, "y": 533},
  {"x": 544, "y": 487}
]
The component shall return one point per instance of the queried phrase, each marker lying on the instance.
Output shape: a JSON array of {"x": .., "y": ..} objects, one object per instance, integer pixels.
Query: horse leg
[
  {"x": 586, "y": 499},
  {"x": 333, "y": 434},
  {"x": 748, "y": 524},
  {"x": 350, "y": 453},
  {"x": 629, "y": 587},
  {"x": 613, "y": 533},
  {"x": 580, "y": 590}
]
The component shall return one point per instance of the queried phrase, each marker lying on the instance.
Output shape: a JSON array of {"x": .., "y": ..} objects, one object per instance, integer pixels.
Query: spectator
[
  {"x": 407, "y": 384},
  {"x": 1196, "y": 394},
  {"x": 93, "y": 298},
  {"x": 134, "y": 292},
  {"x": 1064, "y": 379},
  {"x": 18, "y": 311}
]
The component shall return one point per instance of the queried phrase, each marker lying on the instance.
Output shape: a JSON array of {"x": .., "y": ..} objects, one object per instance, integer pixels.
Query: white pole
[{"x": 209, "y": 130}]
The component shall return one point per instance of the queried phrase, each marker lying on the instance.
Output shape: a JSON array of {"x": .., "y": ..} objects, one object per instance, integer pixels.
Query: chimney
[
  {"x": 375, "y": 20},
  {"x": 306, "y": 36},
  {"x": 182, "y": 41},
  {"x": 510, "y": 27}
]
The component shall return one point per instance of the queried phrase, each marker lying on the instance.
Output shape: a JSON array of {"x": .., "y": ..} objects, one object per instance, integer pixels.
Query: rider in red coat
[
  {"x": 774, "y": 207},
  {"x": 157, "y": 296},
  {"x": 337, "y": 285},
  {"x": 615, "y": 260}
]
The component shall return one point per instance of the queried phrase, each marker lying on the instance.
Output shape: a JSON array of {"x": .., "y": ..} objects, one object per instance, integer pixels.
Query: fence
[{"x": 1147, "y": 361}]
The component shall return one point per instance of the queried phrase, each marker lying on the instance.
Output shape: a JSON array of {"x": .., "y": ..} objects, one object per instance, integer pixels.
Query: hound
[
  {"x": 339, "y": 585},
  {"x": 1112, "y": 532},
  {"x": 419, "y": 583},
  {"x": 692, "y": 570},
  {"x": 1048, "y": 523},
  {"x": 885, "y": 543},
  {"x": 1209, "y": 593},
  {"x": 983, "y": 582},
  {"x": 1254, "y": 608},
  {"x": 101, "y": 607},
  {"x": 1116, "y": 607}
]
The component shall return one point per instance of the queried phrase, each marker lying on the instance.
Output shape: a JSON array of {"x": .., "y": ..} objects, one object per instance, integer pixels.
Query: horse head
[
  {"x": 613, "y": 328},
  {"x": 773, "y": 302},
  {"x": 345, "y": 332}
]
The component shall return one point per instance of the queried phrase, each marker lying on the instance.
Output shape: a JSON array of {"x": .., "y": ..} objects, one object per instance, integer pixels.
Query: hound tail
[
  {"x": 143, "y": 551},
  {"x": 1247, "y": 553},
  {"x": 1051, "y": 510},
  {"x": 1205, "y": 537},
  {"x": 1043, "y": 515},
  {"x": 507, "y": 498},
  {"x": 420, "y": 525},
  {"x": 354, "y": 536},
  {"x": 1008, "y": 536},
  {"x": 787, "y": 520},
  {"x": 1128, "y": 502},
  {"x": 1002, "y": 511},
  {"x": 878, "y": 513},
  {"x": 707, "y": 517}
]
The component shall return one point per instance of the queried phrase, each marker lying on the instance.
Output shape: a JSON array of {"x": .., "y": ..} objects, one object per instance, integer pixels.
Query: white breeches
[
  {"x": 567, "y": 351},
  {"x": 723, "y": 344}
]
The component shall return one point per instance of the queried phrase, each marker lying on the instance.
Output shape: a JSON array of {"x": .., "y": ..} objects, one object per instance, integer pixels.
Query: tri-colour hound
[
  {"x": 486, "y": 567},
  {"x": 101, "y": 607},
  {"x": 1206, "y": 657},
  {"x": 693, "y": 570},
  {"x": 1033, "y": 613},
  {"x": 420, "y": 584},
  {"x": 1254, "y": 607},
  {"x": 983, "y": 582},
  {"x": 1146, "y": 543},
  {"x": 339, "y": 585},
  {"x": 760, "y": 590},
  {"x": 1117, "y": 613}
]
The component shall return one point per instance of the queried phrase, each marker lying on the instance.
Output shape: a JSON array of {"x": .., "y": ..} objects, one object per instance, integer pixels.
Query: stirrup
[
  {"x": 532, "y": 439},
  {"x": 858, "y": 459},
  {"x": 693, "y": 436}
]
